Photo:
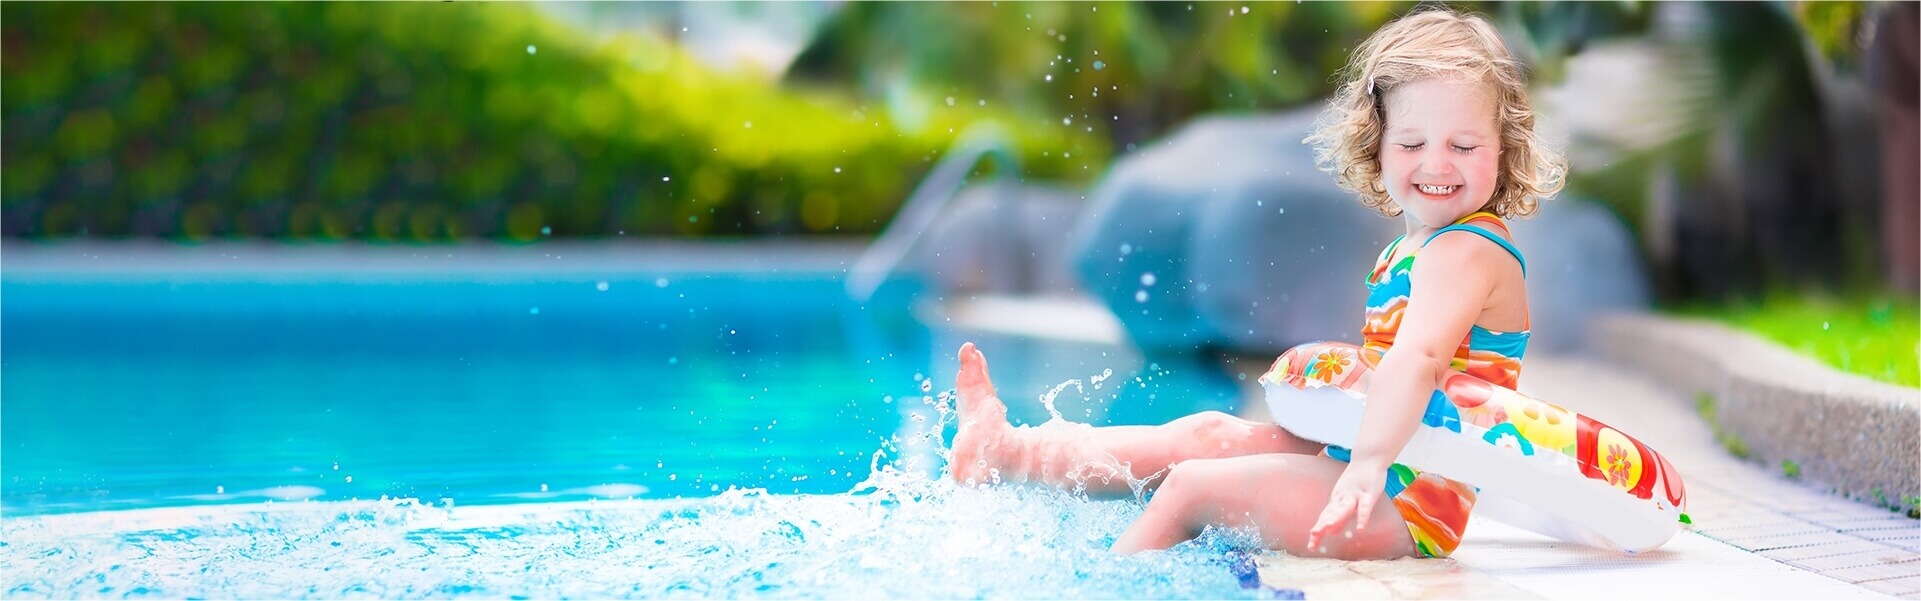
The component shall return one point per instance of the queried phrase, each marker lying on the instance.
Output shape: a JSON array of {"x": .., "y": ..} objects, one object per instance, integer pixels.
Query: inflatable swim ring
[{"x": 1537, "y": 466}]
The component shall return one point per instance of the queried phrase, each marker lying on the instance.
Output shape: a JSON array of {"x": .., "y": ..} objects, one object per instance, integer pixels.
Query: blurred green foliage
[
  {"x": 421, "y": 122},
  {"x": 1131, "y": 71},
  {"x": 1835, "y": 27}
]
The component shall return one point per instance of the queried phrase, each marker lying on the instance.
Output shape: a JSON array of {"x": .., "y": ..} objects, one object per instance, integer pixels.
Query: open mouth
[{"x": 1438, "y": 192}]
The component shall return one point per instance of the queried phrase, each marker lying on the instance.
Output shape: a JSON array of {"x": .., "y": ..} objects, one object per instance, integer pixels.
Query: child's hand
[{"x": 1353, "y": 496}]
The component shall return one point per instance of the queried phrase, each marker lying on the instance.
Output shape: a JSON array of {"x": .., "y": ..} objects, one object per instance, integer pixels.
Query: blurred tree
[
  {"x": 420, "y": 122},
  {"x": 1893, "y": 70},
  {"x": 1755, "y": 166},
  {"x": 1128, "y": 71}
]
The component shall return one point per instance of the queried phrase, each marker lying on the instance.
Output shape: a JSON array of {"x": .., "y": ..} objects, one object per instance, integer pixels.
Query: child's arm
[{"x": 1451, "y": 285}]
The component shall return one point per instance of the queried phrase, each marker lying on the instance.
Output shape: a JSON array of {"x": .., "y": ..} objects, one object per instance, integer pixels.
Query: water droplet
[
  {"x": 546, "y": 231},
  {"x": 1147, "y": 279},
  {"x": 747, "y": 124},
  {"x": 950, "y": 101},
  {"x": 1824, "y": 326},
  {"x": 1243, "y": 10},
  {"x": 836, "y": 170},
  {"x": 1127, "y": 248},
  {"x": 219, "y": 490},
  {"x": 660, "y": 282},
  {"x": 1050, "y": 78},
  {"x": 601, "y": 285},
  {"x": 927, "y": 385},
  {"x": 1067, "y": 120},
  {"x": 1098, "y": 65},
  {"x": 665, "y": 178},
  {"x": 673, "y": 360},
  {"x": 350, "y": 479},
  {"x": 530, "y": 49},
  {"x": 1140, "y": 296},
  {"x": 533, "y": 311},
  {"x": 543, "y": 487}
]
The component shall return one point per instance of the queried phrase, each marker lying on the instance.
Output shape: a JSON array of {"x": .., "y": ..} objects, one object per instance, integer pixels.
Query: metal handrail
[{"x": 925, "y": 204}]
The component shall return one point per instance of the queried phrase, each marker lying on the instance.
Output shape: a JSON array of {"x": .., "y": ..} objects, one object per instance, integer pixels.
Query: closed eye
[{"x": 1418, "y": 146}]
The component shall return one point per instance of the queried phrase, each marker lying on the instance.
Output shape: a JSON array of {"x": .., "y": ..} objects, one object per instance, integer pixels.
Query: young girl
[{"x": 1432, "y": 124}]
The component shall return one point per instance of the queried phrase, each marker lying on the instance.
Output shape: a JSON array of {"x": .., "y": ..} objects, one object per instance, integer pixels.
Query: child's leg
[
  {"x": 1279, "y": 495},
  {"x": 1068, "y": 454}
]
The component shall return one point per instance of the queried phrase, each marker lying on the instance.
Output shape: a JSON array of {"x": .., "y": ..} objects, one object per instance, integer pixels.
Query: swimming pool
[{"x": 620, "y": 430}]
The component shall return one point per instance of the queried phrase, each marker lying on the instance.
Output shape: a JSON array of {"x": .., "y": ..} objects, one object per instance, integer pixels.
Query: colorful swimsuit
[{"x": 1435, "y": 508}]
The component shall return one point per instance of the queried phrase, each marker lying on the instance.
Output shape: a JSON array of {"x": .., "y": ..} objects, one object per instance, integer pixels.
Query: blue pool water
[{"x": 621, "y": 432}]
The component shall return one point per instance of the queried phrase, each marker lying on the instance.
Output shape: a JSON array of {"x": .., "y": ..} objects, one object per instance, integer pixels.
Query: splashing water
[
  {"x": 896, "y": 535},
  {"x": 1097, "y": 380},
  {"x": 1047, "y": 400},
  {"x": 900, "y": 533}
]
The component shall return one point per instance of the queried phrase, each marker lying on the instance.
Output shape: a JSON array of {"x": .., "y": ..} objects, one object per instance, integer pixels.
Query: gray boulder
[
  {"x": 1581, "y": 262},
  {"x": 1282, "y": 255},
  {"x": 1130, "y": 249},
  {"x": 1226, "y": 234},
  {"x": 1003, "y": 237}
]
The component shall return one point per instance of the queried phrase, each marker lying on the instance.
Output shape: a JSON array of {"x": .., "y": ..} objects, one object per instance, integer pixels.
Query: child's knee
[
  {"x": 1179, "y": 489},
  {"x": 1215, "y": 430}
]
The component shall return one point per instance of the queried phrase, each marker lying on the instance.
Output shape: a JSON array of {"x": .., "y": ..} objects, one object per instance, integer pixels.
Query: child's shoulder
[{"x": 1473, "y": 244}]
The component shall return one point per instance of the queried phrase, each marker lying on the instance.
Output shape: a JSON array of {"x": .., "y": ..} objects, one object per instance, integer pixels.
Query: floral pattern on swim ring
[
  {"x": 1506, "y": 437},
  {"x": 1618, "y": 459}
]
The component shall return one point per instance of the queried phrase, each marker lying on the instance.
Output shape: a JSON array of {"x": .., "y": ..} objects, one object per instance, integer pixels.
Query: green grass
[
  {"x": 1704, "y": 405},
  {"x": 1874, "y": 336}
]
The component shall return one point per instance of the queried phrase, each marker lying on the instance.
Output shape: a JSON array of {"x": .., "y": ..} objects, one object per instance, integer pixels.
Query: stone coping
[
  {"x": 254, "y": 258},
  {"x": 1833, "y": 430}
]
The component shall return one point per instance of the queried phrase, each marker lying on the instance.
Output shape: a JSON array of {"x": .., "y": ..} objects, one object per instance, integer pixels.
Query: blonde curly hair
[{"x": 1434, "y": 42}]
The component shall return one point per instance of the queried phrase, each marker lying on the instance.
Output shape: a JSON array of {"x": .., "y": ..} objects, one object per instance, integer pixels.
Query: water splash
[
  {"x": 1047, "y": 399},
  {"x": 900, "y": 532},
  {"x": 1097, "y": 380},
  {"x": 896, "y": 534}
]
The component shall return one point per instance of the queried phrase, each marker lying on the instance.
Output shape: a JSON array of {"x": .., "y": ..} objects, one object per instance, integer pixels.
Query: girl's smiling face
[{"x": 1440, "y": 150}]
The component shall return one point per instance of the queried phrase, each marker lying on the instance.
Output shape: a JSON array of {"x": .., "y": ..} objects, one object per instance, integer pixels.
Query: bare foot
[{"x": 983, "y": 443}]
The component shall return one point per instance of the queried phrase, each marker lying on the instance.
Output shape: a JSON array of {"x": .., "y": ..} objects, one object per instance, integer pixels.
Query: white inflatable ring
[{"x": 1537, "y": 466}]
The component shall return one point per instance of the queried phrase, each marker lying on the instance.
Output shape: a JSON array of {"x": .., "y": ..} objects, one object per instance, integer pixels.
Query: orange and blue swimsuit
[{"x": 1434, "y": 507}]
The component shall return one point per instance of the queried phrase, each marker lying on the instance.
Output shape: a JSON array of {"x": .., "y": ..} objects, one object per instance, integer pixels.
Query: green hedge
[{"x": 421, "y": 122}]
